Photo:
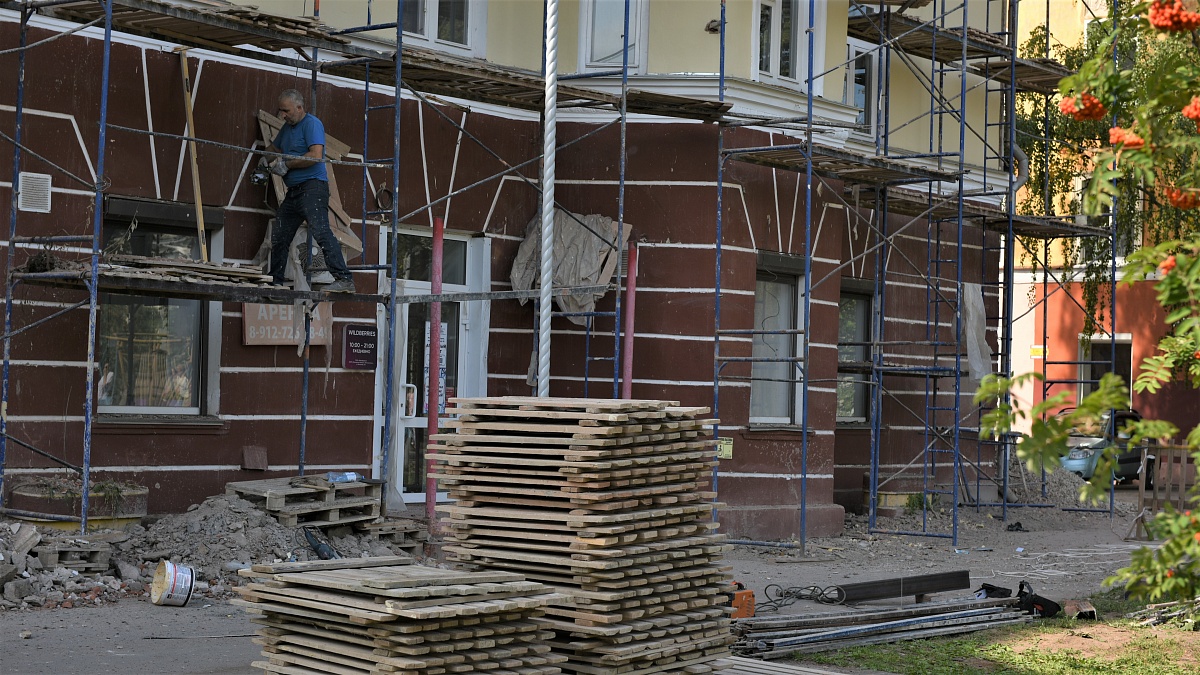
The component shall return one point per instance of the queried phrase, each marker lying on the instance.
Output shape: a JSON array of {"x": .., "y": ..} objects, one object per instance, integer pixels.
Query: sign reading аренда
[{"x": 282, "y": 325}]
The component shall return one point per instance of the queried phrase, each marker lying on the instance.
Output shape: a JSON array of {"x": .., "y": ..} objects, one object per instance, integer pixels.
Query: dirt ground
[{"x": 1062, "y": 554}]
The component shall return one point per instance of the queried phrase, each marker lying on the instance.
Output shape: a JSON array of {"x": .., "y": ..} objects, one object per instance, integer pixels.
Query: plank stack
[
  {"x": 607, "y": 502},
  {"x": 383, "y": 615},
  {"x": 311, "y": 501}
]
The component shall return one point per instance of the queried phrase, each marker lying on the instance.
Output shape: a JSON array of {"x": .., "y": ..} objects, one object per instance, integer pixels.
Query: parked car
[{"x": 1085, "y": 447}]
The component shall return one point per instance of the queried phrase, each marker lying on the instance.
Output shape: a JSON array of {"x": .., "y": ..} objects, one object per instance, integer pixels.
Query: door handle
[{"x": 410, "y": 401}]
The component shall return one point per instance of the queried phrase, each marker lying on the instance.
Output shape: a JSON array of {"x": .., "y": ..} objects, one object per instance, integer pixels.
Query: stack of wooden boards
[
  {"x": 608, "y": 502},
  {"x": 383, "y": 615},
  {"x": 311, "y": 501}
]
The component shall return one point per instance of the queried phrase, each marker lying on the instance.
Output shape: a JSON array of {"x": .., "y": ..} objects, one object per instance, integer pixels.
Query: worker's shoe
[{"x": 340, "y": 286}]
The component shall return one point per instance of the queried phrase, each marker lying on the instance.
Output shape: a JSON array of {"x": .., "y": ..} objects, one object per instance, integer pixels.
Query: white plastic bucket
[{"x": 172, "y": 584}]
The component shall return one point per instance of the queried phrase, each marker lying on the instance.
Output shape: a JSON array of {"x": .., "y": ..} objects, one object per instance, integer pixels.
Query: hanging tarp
[{"x": 585, "y": 254}]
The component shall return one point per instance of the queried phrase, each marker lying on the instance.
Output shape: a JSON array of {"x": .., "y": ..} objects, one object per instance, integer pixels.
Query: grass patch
[
  {"x": 1112, "y": 602},
  {"x": 1054, "y": 647}
]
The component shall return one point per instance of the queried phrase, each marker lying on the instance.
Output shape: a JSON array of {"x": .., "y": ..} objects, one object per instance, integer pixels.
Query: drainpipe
[
  {"x": 434, "y": 398},
  {"x": 627, "y": 331},
  {"x": 1022, "y": 171}
]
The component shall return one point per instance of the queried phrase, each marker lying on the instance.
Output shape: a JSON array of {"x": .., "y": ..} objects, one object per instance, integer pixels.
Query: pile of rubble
[{"x": 216, "y": 539}]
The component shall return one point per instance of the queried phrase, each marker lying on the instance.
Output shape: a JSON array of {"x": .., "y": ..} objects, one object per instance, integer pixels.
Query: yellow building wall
[
  {"x": 1067, "y": 18},
  {"x": 834, "y": 82},
  {"x": 679, "y": 43},
  {"x": 514, "y": 34}
]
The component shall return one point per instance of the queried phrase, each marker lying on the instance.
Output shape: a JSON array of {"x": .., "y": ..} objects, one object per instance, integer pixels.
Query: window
[
  {"x": 859, "y": 90},
  {"x": 454, "y": 24},
  {"x": 854, "y": 330},
  {"x": 782, "y": 46},
  {"x": 777, "y": 37},
  {"x": 774, "y": 387},
  {"x": 150, "y": 349},
  {"x": 416, "y": 254},
  {"x": 1098, "y": 356},
  {"x": 602, "y": 28}
]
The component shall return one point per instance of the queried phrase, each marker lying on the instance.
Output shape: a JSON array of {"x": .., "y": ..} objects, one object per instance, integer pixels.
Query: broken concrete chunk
[
  {"x": 17, "y": 590},
  {"x": 127, "y": 570},
  {"x": 7, "y": 573},
  {"x": 24, "y": 539}
]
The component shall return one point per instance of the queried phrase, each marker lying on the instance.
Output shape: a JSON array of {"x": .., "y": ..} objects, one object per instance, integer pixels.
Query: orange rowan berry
[
  {"x": 1172, "y": 16},
  {"x": 1192, "y": 110},
  {"x": 1125, "y": 137},
  {"x": 1167, "y": 265},
  {"x": 1087, "y": 107},
  {"x": 1182, "y": 199}
]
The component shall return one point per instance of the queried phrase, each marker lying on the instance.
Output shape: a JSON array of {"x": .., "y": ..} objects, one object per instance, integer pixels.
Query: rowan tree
[{"x": 1137, "y": 124}]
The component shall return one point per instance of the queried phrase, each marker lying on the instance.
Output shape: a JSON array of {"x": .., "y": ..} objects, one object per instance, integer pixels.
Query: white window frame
[
  {"x": 801, "y": 17},
  {"x": 476, "y": 30},
  {"x": 869, "y": 325},
  {"x": 871, "y": 106},
  {"x": 795, "y": 412},
  {"x": 209, "y": 370},
  {"x": 474, "y": 322},
  {"x": 639, "y": 32},
  {"x": 1084, "y": 388}
]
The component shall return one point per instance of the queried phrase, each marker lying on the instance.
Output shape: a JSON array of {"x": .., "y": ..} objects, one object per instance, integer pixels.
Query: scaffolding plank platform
[
  {"x": 843, "y": 165},
  {"x": 221, "y": 26},
  {"x": 196, "y": 285},
  {"x": 228, "y": 29},
  {"x": 1037, "y": 75},
  {"x": 924, "y": 39},
  {"x": 914, "y": 203}
]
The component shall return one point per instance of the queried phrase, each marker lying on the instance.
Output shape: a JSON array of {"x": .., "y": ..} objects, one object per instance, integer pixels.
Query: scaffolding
[
  {"x": 945, "y": 192},
  {"x": 393, "y": 72}
]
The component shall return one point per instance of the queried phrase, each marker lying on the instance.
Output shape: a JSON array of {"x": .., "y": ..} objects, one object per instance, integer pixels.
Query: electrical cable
[{"x": 778, "y": 597}]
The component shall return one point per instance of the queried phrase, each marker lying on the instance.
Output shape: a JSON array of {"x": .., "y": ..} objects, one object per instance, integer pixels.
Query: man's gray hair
[{"x": 294, "y": 95}]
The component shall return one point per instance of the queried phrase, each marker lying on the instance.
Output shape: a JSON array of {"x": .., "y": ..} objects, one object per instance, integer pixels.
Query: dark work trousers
[{"x": 308, "y": 201}]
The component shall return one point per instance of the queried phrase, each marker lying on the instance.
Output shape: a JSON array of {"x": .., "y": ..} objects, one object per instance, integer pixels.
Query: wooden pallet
[
  {"x": 407, "y": 535},
  {"x": 304, "y": 501},
  {"x": 76, "y": 555},
  {"x": 605, "y": 501},
  {"x": 334, "y": 617}
]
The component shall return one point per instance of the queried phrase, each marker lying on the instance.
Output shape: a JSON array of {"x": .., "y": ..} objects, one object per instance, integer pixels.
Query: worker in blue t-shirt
[{"x": 302, "y": 142}]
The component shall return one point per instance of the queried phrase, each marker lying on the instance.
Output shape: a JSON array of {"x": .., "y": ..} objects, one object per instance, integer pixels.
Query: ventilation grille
[{"x": 35, "y": 192}]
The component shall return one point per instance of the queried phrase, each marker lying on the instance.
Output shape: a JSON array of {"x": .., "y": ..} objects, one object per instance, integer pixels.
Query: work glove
[{"x": 279, "y": 167}]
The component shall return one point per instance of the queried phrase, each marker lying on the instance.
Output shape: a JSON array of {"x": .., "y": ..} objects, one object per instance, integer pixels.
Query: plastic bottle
[{"x": 343, "y": 477}]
